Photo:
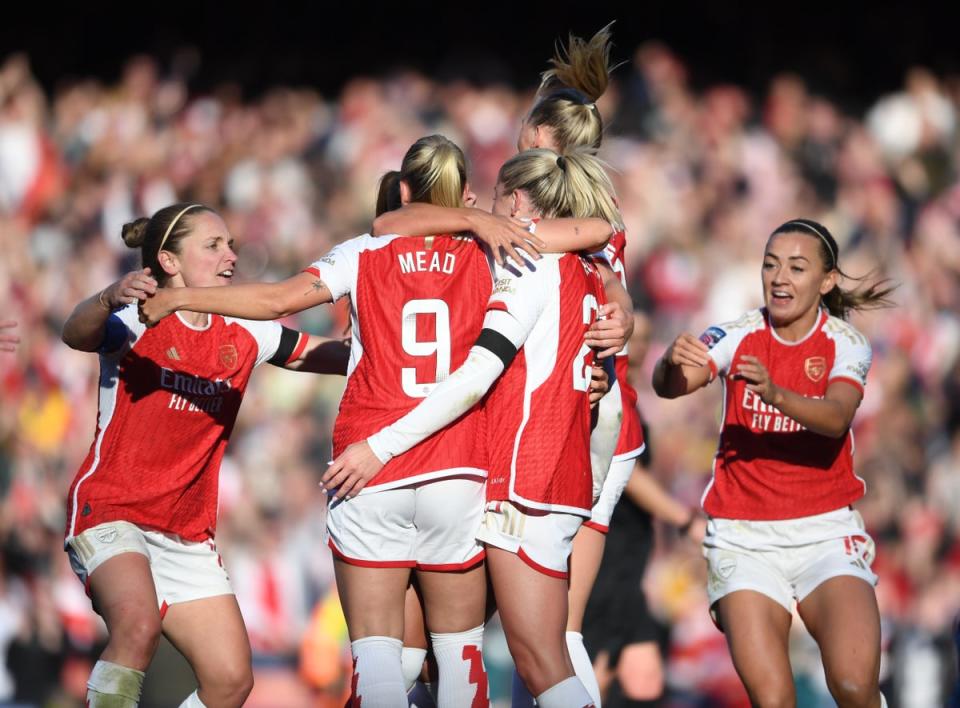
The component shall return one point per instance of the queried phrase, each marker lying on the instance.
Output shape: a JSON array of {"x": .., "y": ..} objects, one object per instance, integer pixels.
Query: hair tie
[
  {"x": 174, "y": 223},
  {"x": 816, "y": 231},
  {"x": 562, "y": 163}
]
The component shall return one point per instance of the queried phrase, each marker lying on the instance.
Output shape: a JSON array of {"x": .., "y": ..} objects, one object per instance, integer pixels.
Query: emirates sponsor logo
[
  {"x": 229, "y": 355},
  {"x": 815, "y": 367}
]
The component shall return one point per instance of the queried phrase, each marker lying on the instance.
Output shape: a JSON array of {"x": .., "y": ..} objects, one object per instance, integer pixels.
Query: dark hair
[
  {"x": 148, "y": 233},
  {"x": 388, "y": 194},
  {"x": 838, "y": 301},
  {"x": 568, "y": 92}
]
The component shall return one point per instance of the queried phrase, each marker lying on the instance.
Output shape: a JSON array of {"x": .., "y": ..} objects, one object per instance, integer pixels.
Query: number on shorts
[
  {"x": 583, "y": 362},
  {"x": 440, "y": 345}
]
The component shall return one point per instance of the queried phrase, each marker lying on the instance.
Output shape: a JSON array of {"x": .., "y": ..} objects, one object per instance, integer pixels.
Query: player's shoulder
[
  {"x": 842, "y": 332},
  {"x": 747, "y": 323}
]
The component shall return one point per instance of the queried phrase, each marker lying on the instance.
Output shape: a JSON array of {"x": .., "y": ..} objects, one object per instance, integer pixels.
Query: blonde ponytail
[
  {"x": 583, "y": 65},
  {"x": 435, "y": 170}
]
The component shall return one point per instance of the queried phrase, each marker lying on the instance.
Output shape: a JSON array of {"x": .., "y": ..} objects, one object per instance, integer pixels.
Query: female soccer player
[
  {"x": 781, "y": 525},
  {"x": 564, "y": 117},
  {"x": 540, "y": 487},
  {"x": 142, "y": 509}
]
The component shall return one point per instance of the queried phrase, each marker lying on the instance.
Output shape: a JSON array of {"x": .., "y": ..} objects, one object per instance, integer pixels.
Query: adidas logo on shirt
[{"x": 172, "y": 354}]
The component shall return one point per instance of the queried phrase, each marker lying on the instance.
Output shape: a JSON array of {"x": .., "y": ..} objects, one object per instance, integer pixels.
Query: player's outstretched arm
[
  {"x": 449, "y": 400},
  {"x": 830, "y": 415},
  {"x": 253, "y": 301},
  {"x": 683, "y": 368},
  {"x": 84, "y": 328},
  {"x": 322, "y": 355},
  {"x": 505, "y": 236}
]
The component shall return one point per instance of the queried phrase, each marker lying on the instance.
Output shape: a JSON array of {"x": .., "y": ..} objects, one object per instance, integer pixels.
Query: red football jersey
[
  {"x": 538, "y": 412},
  {"x": 631, "y": 442},
  {"x": 417, "y": 307},
  {"x": 169, "y": 397},
  {"x": 768, "y": 466}
]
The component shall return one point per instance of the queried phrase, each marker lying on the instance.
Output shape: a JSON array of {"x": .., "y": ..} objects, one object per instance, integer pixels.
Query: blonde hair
[
  {"x": 435, "y": 170},
  {"x": 572, "y": 185},
  {"x": 566, "y": 99}
]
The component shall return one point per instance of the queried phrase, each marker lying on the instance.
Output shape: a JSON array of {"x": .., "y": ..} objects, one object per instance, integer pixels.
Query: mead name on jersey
[
  {"x": 193, "y": 393},
  {"x": 766, "y": 418},
  {"x": 423, "y": 262}
]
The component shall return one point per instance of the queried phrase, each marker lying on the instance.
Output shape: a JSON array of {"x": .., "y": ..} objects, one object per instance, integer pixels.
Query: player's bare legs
[
  {"x": 757, "y": 630},
  {"x": 454, "y": 602},
  {"x": 533, "y": 610},
  {"x": 842, "y": 616},
  {"x": 123, "y": 593},
  {"x": 585, "y": 560},
  {"x": 211, "y": 634},
  {"x": 372, "y": 599}
]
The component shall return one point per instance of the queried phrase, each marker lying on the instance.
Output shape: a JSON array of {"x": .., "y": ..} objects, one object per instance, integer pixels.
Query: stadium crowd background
[{"x": 703, "y": 175}]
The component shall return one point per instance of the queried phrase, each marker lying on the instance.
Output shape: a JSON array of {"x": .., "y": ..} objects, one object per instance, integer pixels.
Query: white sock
[
  {"x": 411, "y": 660},
  {"x": 569, "y": 693},
  {"x": 463, "y": 677},
  {"x": 520, "y": 695},
  {"x": 193, "y": 701},
  {"x": 378, "y": 673},
  {"x": 113, "y": 686},
  {"x": 883, "y": 701},
  {"x": 583, "y": 666}
]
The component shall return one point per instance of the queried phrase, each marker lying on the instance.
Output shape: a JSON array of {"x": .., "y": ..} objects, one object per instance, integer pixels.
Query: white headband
[
  {"x": 174, "y": 223},
  {"x": 817, "y": 232}
]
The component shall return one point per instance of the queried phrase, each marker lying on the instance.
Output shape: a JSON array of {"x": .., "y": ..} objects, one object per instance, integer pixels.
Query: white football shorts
[
  {"x": 182, "y": 570},
  {"x": 542, "y": 539},
  {"x": 430, "y": 526},
  {"x": 786, "y": 560}
]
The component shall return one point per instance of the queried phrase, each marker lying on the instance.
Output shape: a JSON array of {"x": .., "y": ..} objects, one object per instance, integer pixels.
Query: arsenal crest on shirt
[
  {"x": 228, "y": 355},
  {"x": 815, "y": 367}
]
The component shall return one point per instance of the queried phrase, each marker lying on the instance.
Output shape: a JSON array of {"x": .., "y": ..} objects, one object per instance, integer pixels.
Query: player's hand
[
  {"x": 752, "y": 370},
  {"x": 697, "y": 530},
  {"x": 135, "y": 285},
  {"x": 8, "y": 342},
  {"x": 155, "y": 308},
  {"x": 505, "y": 236},
  {"x": 687, "y": 350},
  {"x": 612, "y": 331},
  {"x": 599, "y": 385},
  {"x": 350, "y": 472}
]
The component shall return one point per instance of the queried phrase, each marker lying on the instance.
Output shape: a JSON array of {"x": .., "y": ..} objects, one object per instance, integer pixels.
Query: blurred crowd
[{"x": 703, "y": 176}]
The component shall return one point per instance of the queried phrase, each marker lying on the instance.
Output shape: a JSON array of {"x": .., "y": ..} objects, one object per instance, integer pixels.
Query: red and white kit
[
  {"x": 169, "y": 397},
  {"x": 630, "y": 443},
  {"x": 779, "y": 502},
  {"x": 417, "y": 305},
  {"x": 541, "y": 486},
  {"x": 767, "y": 465}
]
